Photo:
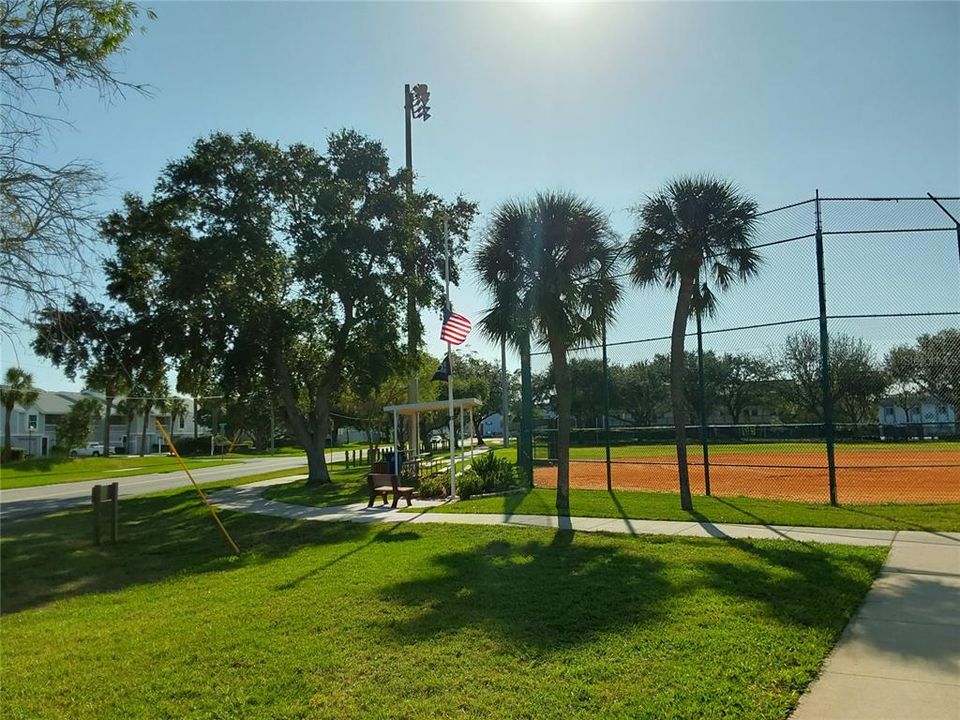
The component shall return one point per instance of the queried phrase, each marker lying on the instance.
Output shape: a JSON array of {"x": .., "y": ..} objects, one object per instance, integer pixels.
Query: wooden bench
[{"x": 383, "y": 483}]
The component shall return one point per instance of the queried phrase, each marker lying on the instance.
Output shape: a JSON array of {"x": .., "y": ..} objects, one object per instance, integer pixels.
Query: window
[
  {"x": 181, "y": 422},
  {"x": 31, "y": 422},
  {"x": 888, "y": 411}
]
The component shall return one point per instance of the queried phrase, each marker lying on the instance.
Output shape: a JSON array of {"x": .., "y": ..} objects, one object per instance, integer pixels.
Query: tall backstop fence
[{"x": 831, "y": 377}]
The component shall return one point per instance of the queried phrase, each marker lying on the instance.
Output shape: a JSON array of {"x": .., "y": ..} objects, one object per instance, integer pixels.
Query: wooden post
[
  {"x": 96, "y": 496},
  {"x": 113, "y": 493}
]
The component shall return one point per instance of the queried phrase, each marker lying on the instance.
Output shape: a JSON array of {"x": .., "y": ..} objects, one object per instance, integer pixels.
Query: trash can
[{"x": 393, "y": 458}]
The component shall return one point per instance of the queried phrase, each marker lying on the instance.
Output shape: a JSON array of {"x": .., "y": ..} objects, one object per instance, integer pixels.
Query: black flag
[{"x": 443, "y": 372}]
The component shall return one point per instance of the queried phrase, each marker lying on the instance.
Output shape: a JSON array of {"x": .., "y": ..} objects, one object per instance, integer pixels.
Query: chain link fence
[{"x": 834, "y": 376}]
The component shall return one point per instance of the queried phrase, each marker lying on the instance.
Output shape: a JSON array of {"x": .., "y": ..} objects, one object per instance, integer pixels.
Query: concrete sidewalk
[
  {"x": 247, "y": 498},
  {"x": 899, "y": 658},
  {"x": 900, "y": 655}
]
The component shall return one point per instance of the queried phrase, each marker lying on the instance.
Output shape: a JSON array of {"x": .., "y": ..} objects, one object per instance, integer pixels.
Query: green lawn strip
[
  {"x": 49, "y": 471},
  {"x": 341, "y": 620},
  {"x": 348, "y": 485},
  {"x": 598, "y": 452},
  {"x": 666, "y": 506}
]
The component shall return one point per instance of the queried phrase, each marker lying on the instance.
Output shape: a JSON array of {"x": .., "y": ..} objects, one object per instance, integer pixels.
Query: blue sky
[{"x": 608, "y": 101}]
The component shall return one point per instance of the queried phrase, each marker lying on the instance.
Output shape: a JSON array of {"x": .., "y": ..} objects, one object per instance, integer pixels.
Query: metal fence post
[
  {"x": 951, "y": 216},
  {"x": 827, "y": 387},
  {"x": 703, "y": 406},
  {"x": 606, "y": 404}
]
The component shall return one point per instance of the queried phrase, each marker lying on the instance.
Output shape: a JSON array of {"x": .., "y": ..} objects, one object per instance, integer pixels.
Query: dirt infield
[{"x": 863, "y": 476}]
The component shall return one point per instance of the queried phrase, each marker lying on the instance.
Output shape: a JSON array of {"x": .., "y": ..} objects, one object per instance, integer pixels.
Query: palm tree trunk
[
  {"x": 561, "y": 375},
  {"x": 106, "y": 426},
  {"x": 143, "y": 430},
  {"x": 7, "y": 439},
  {"x": 677, "y": 397}
]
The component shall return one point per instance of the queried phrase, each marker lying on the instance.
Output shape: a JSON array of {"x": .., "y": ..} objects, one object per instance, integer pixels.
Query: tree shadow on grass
[
  {"x": 48, "y": 558},
  {"x": 795, "y": 582},
  {"x": 547, "y": 596},
  {"x": 532, "y": 594},
  {"x": 620, "y": 509},
  {"x": 384, "y": 536},
  {"x": 711, "y": 528},
  {"x": 877, "y": 513}
]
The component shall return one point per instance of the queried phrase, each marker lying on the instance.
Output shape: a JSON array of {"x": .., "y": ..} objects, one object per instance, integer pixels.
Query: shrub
[
  {"x": 12, "y": 455},
  {"x": 433, "y": 486},
  {"x": 496, "y": 473},
  {"x": 469, "y": 484},
  {"x": 186, "y": 445}
]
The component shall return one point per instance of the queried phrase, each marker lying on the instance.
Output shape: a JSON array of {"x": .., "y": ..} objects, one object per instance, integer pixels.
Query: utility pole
[{"x": 414, "y": 106}]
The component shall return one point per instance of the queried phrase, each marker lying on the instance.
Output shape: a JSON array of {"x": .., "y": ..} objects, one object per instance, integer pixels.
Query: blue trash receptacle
[{"x": 393, "y": 458}]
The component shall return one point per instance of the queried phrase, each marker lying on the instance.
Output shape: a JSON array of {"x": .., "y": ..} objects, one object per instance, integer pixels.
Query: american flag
[{"x": 455, "y": 328}]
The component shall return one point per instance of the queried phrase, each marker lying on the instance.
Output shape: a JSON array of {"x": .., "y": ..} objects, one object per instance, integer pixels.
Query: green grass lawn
[
  {"x": 666, "y": 506},
  {"x": 337, "y": 620},
  {"x": 349, "y": 485},
  {"x": 48, "y": 471}
]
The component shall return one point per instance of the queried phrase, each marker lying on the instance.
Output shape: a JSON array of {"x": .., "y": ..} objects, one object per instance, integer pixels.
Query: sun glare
[{"x": 561, "y": 9}]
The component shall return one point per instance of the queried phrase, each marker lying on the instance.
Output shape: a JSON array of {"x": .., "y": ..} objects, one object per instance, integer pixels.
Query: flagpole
[{"x": 453, "y": 463}]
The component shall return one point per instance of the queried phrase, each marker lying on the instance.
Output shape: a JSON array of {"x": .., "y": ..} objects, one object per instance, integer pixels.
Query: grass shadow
[
  {"x": 796, "y": 582},
  {"x": 912, "y": 525},
  {"x": 621, "y": 510},
  {"x": 533, "y": 594},
  {"x": 48, "y": 558}
]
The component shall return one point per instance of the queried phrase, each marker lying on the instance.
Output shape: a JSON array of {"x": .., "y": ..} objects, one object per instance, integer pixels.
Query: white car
[{"x": 93, "y": 449}]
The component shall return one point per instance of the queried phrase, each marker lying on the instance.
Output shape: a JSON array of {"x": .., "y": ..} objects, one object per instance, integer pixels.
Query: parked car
[{"x": 94, "y": 449}]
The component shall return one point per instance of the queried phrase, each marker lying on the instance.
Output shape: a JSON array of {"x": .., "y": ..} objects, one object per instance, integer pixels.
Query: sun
[{"x": 560, "y": 9}]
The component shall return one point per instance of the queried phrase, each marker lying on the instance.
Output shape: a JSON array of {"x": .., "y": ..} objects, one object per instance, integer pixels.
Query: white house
[
  {"x": 934, "y": 416},
  {"x": 34, "y": 428},
  {"x": 492, "y": 425}
]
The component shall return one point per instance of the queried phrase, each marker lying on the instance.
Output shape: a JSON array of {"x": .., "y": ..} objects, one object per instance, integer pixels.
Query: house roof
[
  {"x": 56, "y": 403},
  {"x": 60, "y": 402}
]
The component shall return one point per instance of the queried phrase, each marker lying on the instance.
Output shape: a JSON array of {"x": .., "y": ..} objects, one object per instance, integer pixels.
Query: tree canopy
[
  {"x": 48, "y": 222},
  {"x": 261, "y": 261}
]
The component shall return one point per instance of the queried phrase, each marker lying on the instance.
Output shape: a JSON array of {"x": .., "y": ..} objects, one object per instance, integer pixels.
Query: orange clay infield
[{"x": 863, "y": 476}]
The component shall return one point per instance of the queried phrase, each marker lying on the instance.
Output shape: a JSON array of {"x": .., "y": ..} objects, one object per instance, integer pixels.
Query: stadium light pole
[{"x": 415, "y": 106}]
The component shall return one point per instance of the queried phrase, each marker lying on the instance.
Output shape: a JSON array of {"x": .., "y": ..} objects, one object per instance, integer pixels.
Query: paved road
[{"x": 48, "y": 498}]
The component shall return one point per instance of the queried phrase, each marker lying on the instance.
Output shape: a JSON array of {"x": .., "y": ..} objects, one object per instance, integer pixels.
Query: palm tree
[
  {"x": 17, "y": 390},
  {"x": 693, "y": 233},
  {"x": 155, "y": 391},
  {"x": 176, "y": 407},
  {"x": 547, "y": 263}
]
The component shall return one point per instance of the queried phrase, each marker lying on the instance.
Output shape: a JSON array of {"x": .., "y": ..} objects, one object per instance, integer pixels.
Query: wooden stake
[
  {"x": 96, "y": 494},
  {"x": 113, "y": 493}
]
